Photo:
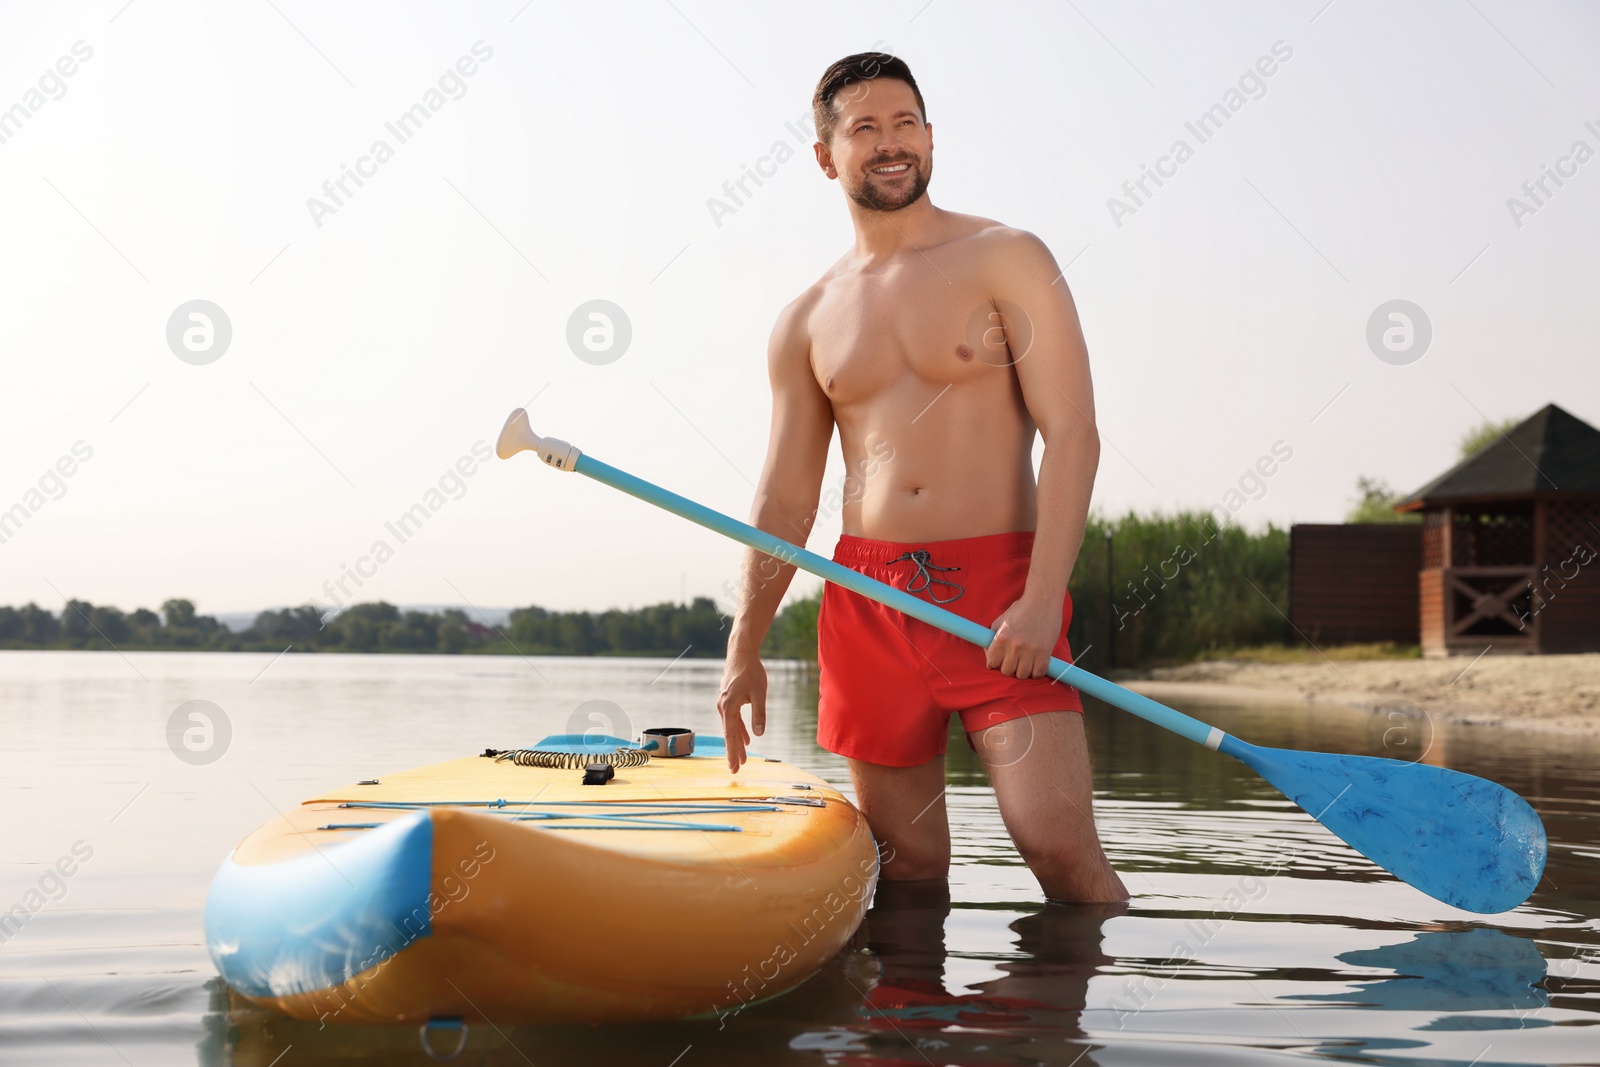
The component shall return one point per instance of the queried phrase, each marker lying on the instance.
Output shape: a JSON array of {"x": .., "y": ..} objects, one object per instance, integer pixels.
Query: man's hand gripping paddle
[{"x": 1461, "y": 839}]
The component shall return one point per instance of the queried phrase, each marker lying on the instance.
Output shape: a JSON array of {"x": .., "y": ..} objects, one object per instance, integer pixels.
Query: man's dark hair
[{"x": 861, "y": 67}]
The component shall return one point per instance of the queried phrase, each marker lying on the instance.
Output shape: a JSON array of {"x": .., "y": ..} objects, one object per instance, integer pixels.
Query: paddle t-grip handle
[{"x": 517, "y": 436}]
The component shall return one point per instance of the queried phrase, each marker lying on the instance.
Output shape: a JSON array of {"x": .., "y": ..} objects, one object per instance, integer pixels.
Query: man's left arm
[{"x": 1042, "y": 328}]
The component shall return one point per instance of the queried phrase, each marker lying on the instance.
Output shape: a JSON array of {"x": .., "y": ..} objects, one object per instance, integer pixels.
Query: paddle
[{"x": 1463, "y": 840}]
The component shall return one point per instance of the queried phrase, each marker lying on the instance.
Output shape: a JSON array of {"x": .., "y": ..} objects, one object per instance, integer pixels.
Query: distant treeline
[
  {"x": 85, "y": 625},
  {"x": 697, "y": 629},
  {"x": 1179, "y": 586}
]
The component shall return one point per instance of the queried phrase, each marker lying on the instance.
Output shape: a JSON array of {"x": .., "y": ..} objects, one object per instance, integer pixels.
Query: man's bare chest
[{"x": 881, "y": 332}]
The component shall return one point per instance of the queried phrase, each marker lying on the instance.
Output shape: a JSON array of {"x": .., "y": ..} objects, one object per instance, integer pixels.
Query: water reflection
[
  {"x": 1438, "y": 970},
  {"x": 885, "y": 999},
  {"x": 1043, "y": 987}
]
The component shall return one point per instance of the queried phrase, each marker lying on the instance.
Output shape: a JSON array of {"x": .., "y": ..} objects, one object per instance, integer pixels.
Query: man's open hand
[
  {"x": 1025, "y": 636},
  {"x": 744, "y": 681}
]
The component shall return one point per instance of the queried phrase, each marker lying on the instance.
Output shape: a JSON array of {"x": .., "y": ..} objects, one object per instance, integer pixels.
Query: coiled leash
[
  {"x": 921, "y": 557},
  {"x": 570, "y": 760}
]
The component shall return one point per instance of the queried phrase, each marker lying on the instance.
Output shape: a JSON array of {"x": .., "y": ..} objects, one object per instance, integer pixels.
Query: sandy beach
[{"x": 1557, "y": 694}]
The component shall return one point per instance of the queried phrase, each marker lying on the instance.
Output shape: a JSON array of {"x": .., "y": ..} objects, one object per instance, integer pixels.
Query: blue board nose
[{"x": 276, "y": 929}]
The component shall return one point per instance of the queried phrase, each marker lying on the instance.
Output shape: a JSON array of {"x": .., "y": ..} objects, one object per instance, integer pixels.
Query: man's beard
[{"x": 872, "y": 198}]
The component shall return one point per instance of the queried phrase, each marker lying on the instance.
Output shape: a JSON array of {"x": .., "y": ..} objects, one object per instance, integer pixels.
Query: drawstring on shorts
[{"x": 921, "y": 558}]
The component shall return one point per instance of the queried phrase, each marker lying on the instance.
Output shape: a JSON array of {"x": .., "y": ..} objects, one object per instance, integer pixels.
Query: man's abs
[{"x": 961, "y": 475}]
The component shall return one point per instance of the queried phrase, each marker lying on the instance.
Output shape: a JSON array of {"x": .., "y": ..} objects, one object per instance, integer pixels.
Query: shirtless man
[{"x": 939, "y": 345}]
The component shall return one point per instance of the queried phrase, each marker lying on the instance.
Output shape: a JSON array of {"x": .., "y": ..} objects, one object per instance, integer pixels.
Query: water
[{"x": 1218, "y": 960}]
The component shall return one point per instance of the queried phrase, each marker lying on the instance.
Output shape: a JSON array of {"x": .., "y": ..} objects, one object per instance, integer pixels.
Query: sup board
[{"x": 500, "y": 887}]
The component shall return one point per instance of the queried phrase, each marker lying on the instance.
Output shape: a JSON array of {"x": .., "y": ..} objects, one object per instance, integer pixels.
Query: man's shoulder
[
  {"x": 1006, "y": 255},
  {"x": 992, "y": 249},
  {"x": 798, "y": 310},
  {"x": 791, "y": 332},
  {"x": 796, "y": 314},
  {"x": 992, "y": 236}
]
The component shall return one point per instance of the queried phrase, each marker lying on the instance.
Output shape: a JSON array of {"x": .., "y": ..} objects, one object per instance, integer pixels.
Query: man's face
[{"x": 882, "y": 151}]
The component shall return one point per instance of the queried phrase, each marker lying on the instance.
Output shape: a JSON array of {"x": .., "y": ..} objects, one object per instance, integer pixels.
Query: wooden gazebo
[{"x": 1511, "y": 543}]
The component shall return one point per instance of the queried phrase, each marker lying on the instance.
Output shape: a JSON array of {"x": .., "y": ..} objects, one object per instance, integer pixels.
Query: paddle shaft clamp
[{"x": 668, "y": 741}]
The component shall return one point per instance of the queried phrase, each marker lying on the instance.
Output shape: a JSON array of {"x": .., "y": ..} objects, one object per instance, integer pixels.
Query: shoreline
[{"x": 1545, "y": 694}]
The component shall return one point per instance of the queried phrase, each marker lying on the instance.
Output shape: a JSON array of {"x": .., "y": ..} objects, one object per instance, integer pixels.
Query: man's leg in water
[
  {"x": 1039, "y": 765},
  {"x": 904, "y": 807}
]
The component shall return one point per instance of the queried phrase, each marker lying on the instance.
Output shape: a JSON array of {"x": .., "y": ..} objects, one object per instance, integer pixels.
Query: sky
[{"x": 161, "y": 152}]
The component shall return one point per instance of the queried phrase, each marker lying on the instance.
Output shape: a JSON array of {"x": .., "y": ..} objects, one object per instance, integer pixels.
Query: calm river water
[{"x": 1217, "y": 961}]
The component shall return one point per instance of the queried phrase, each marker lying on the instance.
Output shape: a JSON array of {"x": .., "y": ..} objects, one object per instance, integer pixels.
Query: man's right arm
[{"x": 785, "y": 506}]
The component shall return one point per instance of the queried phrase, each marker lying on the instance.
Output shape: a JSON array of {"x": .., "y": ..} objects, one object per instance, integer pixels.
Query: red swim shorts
[{"x": 889, "y": 683}]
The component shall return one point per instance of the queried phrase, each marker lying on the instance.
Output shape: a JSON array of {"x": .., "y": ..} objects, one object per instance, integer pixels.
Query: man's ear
[{"x": 825, "y": 160}]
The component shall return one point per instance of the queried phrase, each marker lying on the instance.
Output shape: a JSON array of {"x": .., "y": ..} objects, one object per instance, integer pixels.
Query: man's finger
[
  {"x": 758, "y": 713},
  {"x": 997, "y": 647}
]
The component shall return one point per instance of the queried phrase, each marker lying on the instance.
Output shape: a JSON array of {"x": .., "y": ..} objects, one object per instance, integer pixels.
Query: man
[{"x": 939, "y": 345}]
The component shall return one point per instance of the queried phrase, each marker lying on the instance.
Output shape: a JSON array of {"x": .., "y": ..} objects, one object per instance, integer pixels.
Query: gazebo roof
[{"x": 1551, "y": 451}]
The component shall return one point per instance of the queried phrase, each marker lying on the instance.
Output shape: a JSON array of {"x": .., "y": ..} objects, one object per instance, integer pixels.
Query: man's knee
[
  {"x": 1061, "y": 847},
  {"x": 1038, "y": 848},
  {"x": 911, "y": 854},
  {"x": 914, "y": 861},
  {"x": 1070, "y": 869}
]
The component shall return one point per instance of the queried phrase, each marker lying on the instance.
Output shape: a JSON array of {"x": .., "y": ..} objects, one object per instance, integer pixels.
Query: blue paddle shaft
[
  {"x": 1461, "y": 839},
  {"x": 948, "y": 621}
]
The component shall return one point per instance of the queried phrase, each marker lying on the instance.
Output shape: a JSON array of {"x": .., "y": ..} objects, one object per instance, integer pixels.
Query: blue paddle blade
[{"x": 1458, "y": 838}]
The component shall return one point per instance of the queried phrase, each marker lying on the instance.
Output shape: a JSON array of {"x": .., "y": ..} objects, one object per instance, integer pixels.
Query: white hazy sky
[{"x": 369, "y": 354}]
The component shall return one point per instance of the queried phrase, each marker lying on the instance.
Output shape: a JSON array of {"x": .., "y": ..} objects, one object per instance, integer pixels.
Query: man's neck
[{"x": 884, "y": 234}]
